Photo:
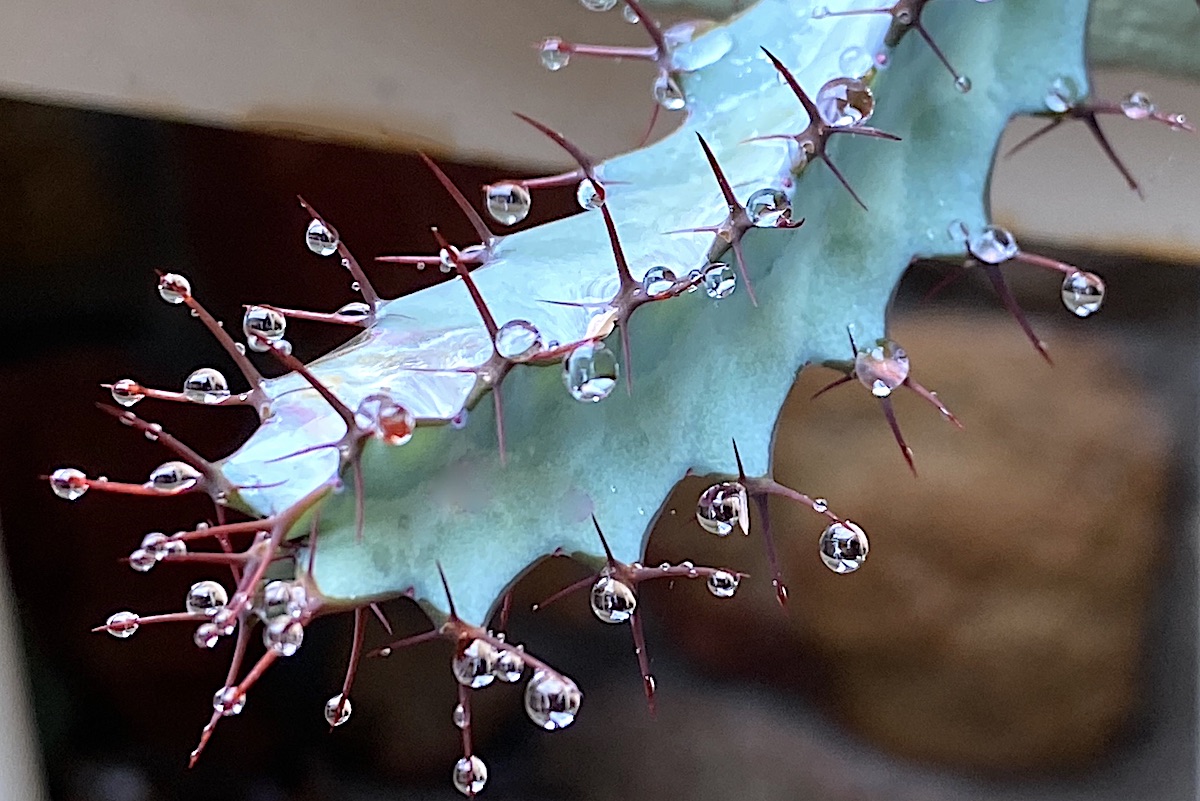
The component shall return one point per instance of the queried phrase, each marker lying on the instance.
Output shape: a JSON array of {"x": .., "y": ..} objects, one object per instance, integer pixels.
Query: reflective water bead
[
  {"x": 266, "y": 323},
  {"x": 590, "y": 372},
  {"x": 228, "y": 701},
  {"x": 395, "y": 423},
  {"x": 68, "y": 483},
  {"x": 284, "y": 635},
  {"x": 820, "y": 12},
  {"x": 552, "y": 701},
  {"x": 321, "y": 239},
  {"x": 174, "y": 477},
  {"x": 276, "y": 596},
  {"x": 474, "y": 665},
  {"x": 844, "y": 547},
  {"x": 767, "y": 208},
  {"x": 518, "y": 340},
  {"x": 507, "y": 203},
  {"x": 820, "y": 505},
  {"x": 206, "y": 385},
  {"x": 142, "y": 560},
  {"x": 356, "y": 310},
  {"x": 206, "y": 636},
  {"x": 719, "y": 280},
  {"x": 586, "y": 196},
  {"x": 658, "y": 280},
  {"x": 882, "y": 368},
  {"x": 993, "y": 244},
  {"x": 855, "y": 62},
  {"x": 723, "y": 584},
  {"x": 510, "y": 666},
  {"x": 460, "y": 716},
  {"x": 721, "y": 506},
  {"x": 206, "y": 597},
  {"x": 668, "y": 93},
  {"x": 226, "y": 621},
  {"x": 127, "y": 392},
  {"x": 1062, "y": 95},
  {"x": 962, "y": 83},
  {"x": 470, "y": 775},
  {"x": 173, "y": 288},
  {"x": 337, "y": 711},
  {"x": 1138, "y": 106},
  {"x": 598, "y": 5},
  {"x": 613, "y": 601},
  {"x": 122, "y": 625},
  {"x": 156, "y": 543},
  {"x": 1083, "y": 293},
  {"x": 554, "y": 56},
  {"x": 630, "y": 15},
  {"x": 843, "y": 102}
]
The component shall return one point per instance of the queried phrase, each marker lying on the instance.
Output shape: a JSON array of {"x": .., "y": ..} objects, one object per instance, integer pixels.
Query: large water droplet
[
  {"x": 993, "y": 244},
  {"x": 723, "y": 584},
  {"x": 599, "y": 5},
  {"x": 206, "y": 385},
  {"x": 1062, "y": 95},
  {"x": 510, "y": 666},
  {"x": 206, "y": 597},
  {"x": 321, "y": 239},
  {"x": 1138, "y": 106},
  {"x": 768, "y": 208},
  {"x": 518, "y": 340},
  {"x": 174, "y": 477},
  {"x": 474, "y": 665},
  {"x": 843, "y": 102},
  {"x": 658, "y": 281},
  {"x": 586, "y": 196},
  {"x": 337, "y": 711},
  {"x": 844, "y": 547},
  {"x": 552, "y": 701},
  {"x": 507, "y": 203},
  {"x": 719, "y": 280},
  {"x": 554, "y": 55},
  {"x": 721, "y": 507},
  {"x": 122, "y": 625},
  {"x": 962, "y": 83},
  {"x": 590, "y": 372},
  {"x": 355, "y": 309},
  {"x": 392, "y": 422},
  {"x": 882, "y": 368},
  {"x": 1083, "y": 293},
  {"x": 276, "y": 597},
  {"x": 68, "y": 483},
  {"x": 207, "y": 635},
  {"x": 228, "y": 701},
  {"x": 142, "y": 560},
  {"x": 264, "y": 322},
  {"x": 173, "y": 288},
  {"x": 613, "y": 601},
  {"x": 668, "y": 93},
  {"x": 284, "y": 635},
  {"x": 127, "y": 392},
  {"x": 470, "y": 775}
]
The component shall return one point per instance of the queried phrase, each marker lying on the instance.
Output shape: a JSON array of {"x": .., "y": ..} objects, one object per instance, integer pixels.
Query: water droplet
[
  {"x": 321, "y": 239},
  {"x": 68, "y": 483},
  {"x": 173, "y": 288},
  {"x": 206, "y": 597},
  {"x": 127, "y": 392},
  {"x": 460, "y": 716},
  {"x": 768, "y": 208},
  {"x": 590, "y": 372},
  {"x": 1062, "y": 95},
  {"x": 206, "y": 636},
  {"x": 722, "y": 506},
  {"x": 962, "y": 83},
  {"x": 507, "y": 203},
  {"x": 993, "y": 245},
  {"x": 1083, "y": 293},
  {"x": 225, "y": 621},
  {"x": 356, "y": 310},
  {"x": 142, "y": 560},
  {"x": 668, "y": 93},
  {"x": 658, "y": 281},
  {"x": 855, "y": 62},
  {"x": 355, "y": 286},
  {"x": 392, "y": 422},
  {"x": 228, "y": 701},
  {"x": 881, "y": 368},
  {"x": 284, "y": 635},
  {"x": 723, "y": 584},
  {"x": 337, "y": 711},
  {"x": 470, "y": 775},
  {"x": 843, "y": 102},
  {"x": 820, "y": 505},
  {"x": 630, "y": 15},
  {"x": 276, "y": 596},
  {"x": 719, "y": 280},
  {"x": 284, "y": 347},
  {"x": 122, "y": 625},
  {"x": 264, "y": 322},
  {"x": 587, "y": 197},
  {"x": 510, "y": 666},
  {"x": 843, "y": 547},
  {"x": 1138, "y": 106},
  {"x": 598, "y": 5},
  {"x": 552, "y": 701},
  {"x": 554, "y": 55},
  {"x": 240, "y": 347},
  {"x": 174, "y": 477},
  {"x": 474, "y": 665},
  {"x": 613, "y": 601},
  {"x": 206, "y": 385},
  {"x": 518, "y": 340}
]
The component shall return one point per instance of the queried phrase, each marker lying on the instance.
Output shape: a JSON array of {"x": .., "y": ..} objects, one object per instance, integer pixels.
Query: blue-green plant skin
[{"x": 704, "y": 372}]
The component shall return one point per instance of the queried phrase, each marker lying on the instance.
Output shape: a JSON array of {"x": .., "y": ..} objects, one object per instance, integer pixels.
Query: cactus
[{"x": 438, "y": 454}]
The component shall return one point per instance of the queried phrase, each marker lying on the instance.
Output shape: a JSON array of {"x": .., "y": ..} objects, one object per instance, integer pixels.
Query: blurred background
[{"x": 1026, "y": 628}]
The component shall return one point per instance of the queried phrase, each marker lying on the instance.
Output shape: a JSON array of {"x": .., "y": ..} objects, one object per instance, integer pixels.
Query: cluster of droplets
[{"x": 154, "y": 548}]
